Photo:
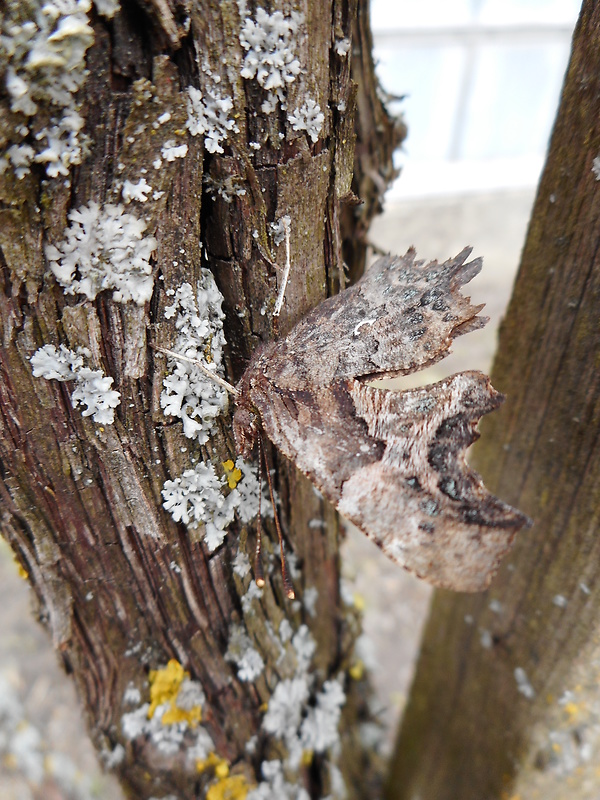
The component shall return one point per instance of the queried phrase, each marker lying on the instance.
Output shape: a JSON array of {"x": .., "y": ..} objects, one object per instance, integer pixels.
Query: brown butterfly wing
[
  {"x": 393, "y": 464},
  {"x": 399, "y": 317}
]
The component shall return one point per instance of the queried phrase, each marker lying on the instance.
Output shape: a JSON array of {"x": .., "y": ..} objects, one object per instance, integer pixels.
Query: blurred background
[{"x": 480, "y": 82}]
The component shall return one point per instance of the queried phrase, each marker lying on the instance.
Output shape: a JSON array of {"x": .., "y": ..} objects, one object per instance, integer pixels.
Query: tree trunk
[
  {"x": 182, "y": 182},
  {"x": 505, "y": 702}
]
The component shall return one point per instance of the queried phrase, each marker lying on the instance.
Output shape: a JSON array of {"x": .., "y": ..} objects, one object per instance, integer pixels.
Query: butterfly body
[{"x": 391, "y": 462}]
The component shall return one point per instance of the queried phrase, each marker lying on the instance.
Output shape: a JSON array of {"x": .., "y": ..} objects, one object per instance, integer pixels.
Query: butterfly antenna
[
  {"x": 202, "y": 367},
  {"x": 287, "y": 584},
  {"x": 258, "y": 565}
]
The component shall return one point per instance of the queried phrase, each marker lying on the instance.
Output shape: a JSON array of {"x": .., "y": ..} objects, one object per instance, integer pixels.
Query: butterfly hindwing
[{"x": 393, "y": 464}]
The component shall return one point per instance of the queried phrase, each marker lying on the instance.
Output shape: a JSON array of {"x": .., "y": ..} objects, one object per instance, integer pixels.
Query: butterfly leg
[
  {"x": 287, "y": 584},
  {"x": 258, "y": 565}
]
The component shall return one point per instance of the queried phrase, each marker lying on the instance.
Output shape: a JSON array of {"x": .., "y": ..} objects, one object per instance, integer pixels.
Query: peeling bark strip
[
  {"x": 147, "y": 147},
  {"x": 506, "y": 699}
]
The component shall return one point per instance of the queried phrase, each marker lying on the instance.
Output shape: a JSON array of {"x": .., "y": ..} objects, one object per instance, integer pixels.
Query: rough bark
[
  {"x": 122, "y": 588},
  {"x": 505, "y": 701}
]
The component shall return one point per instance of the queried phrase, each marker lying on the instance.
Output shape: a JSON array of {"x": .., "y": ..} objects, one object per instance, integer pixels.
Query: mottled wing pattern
[
  {"x": 399, "y": 317},
  {"x": 392, "y": 462}
]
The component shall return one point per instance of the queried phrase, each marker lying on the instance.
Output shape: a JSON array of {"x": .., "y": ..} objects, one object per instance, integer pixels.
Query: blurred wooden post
[{"x": 506, "y": 700}]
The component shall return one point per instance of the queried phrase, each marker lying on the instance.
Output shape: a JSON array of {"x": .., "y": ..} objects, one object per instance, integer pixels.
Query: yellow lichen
[
  {"x": 164, "y": 688},
  {"x": 232, "y": 473},
  {"x": 359, "y": 601},
  {"x": 572, "y": 710},
  {"x": 357, "y": 670},
  {"x": 22, "y": 572},
  {"x": 164, "y": 684},
  {"x": 222, "y": 769},
  {"x": 192, "y": 716},
  {"x": 307, "y": 757},
  {"x": 233, "y": 787},
  {"x": 213, "y": 761}
]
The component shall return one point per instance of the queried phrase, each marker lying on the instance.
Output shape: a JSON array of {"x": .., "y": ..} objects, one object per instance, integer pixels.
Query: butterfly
[{"x": 391, "y": 462}]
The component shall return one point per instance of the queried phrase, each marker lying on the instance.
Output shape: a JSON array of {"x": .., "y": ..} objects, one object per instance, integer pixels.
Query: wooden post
[{"x": 507, "y": 693}]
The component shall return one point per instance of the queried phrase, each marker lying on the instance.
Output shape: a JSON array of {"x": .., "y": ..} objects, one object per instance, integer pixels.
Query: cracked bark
[
  {"x": 505, "y": 701},
  {"x": 81, "y": 502}
]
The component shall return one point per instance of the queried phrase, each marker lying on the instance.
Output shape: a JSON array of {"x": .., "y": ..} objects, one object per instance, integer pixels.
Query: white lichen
[
  {"x": 309, "y": 118},
  {"x": 248, "y": 490},
  {"x": 107, "y": 8},
  {"x": 136, "y": 191},
  {"x": 270, "y": 42},
  {"x": 201, "y": 748},
  {"x": 303, "y": 720},
  {"x": 132, "y": 695},
  {"x": 196, "y": 497},
  {"x": 190, "y": 695},
  {"x": 342, "y": 47},
  {"x": 254, "y": 592},
  {"x": 104, "y": 248},
  {"x": 92, "y": 388},
  {"x": 171, "y": 725},
  {"x": 596, "y": 168},
  {"x": 338, "y": 785},
  {"x": 171, "y": 150},
  {"x": 305, "y": 647},
  {"x": 45, "y": 59},
  {"x": 241, "y": 564},
  {"x": 112, "y": 758},
  {"x": 560, "y": 601},
  {"x": 244, "y": 655},
  {"x": 208, "y": 115},
  {"x": 226, "y": 188},
  {"x": 188, "y": 393},
  {"x": 275, "y": 786},
  {"x": 311, "y": 595},
  {"x": 319, "y": 730},
  {"x": 168, "y": 739},
  {"x": 286, "y": 708},
  {"x": 523, "y": 684},
  {"x": 285, "y": 630}
]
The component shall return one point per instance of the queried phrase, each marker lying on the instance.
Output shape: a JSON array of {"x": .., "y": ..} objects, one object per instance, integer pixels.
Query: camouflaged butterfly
[{"x": 393, "y": 463}]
